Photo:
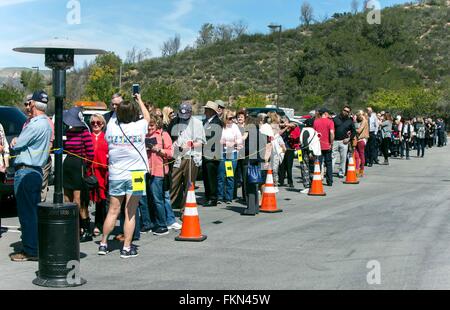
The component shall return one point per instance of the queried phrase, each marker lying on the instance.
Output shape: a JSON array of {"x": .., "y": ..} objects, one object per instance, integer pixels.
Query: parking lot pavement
[{"x": 395, "y": 221}]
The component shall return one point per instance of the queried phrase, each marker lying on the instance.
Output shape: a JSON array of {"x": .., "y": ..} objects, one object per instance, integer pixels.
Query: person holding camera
[
  {"x": 159, "y": 150},
  {"x": 125, "y": 135}
]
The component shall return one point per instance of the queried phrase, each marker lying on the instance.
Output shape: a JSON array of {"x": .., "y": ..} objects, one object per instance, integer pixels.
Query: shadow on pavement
[{"x": 235, "y": 209}]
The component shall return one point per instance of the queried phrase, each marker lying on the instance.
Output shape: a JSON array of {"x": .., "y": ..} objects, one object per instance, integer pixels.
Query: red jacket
[{"x": 100, "y": 166}]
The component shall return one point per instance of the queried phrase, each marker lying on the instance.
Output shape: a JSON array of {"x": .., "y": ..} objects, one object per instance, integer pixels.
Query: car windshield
[{"x": 12, "y": 120}]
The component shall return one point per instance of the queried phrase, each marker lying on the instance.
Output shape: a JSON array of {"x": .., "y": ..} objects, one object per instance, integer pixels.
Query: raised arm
[{"x": 144, "y": 110}]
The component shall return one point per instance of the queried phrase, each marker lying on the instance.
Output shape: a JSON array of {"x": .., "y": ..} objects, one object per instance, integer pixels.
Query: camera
[
  {"x": 136, "y": 89},
  {"x": 150, "y": 142}
]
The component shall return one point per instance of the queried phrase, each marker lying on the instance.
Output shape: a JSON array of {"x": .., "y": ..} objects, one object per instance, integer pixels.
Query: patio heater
[{"x": 58, "y": 224}]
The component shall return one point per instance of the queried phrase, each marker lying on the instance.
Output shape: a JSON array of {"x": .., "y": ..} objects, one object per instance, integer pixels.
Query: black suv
[{"x": 12, "y": 120}]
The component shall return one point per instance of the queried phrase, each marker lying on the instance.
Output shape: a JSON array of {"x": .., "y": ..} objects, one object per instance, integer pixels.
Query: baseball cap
[
  {"x": 324, "y": 110},
  {"x": 40, "y": 96},
  {"x": 185, "y": 111}
]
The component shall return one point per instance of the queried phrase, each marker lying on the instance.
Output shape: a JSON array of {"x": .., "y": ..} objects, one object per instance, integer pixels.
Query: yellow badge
[
  {"x": 229, "y": 169},
  {"x": 138, "y": 181},
  {"x": 300, "y": 156}
]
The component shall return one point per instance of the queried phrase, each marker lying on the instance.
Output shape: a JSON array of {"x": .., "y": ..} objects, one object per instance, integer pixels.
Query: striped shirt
[{"x": 79, "y": 143}]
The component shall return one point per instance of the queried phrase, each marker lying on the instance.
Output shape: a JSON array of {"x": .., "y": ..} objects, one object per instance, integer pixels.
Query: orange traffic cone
[
  {"x": 316, "y": 188},
  {"x": 351, "y": 171},
  {"x": 269, "y": 199},
  {"x": 190, "y": 231}
]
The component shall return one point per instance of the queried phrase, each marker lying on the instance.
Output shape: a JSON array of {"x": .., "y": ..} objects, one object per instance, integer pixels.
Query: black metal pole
[
  {"x": 59, "y": 91},
  {"x": 58, "y": 222}
]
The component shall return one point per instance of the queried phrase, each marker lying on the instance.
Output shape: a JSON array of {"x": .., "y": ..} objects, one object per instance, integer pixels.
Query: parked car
[
  {"x": 12, "y": 120},
  {"x": 255, "y": 111}
]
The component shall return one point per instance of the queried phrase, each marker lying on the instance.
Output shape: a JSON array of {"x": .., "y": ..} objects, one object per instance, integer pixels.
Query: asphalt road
[{"x": 396, "y": 219}]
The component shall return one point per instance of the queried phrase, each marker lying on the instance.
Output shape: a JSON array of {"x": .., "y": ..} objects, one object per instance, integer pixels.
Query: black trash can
[{"x": 59, "y": 246}]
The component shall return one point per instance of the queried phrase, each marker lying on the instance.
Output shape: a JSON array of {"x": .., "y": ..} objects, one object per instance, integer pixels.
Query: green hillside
[{"x": 342, "y": 60}]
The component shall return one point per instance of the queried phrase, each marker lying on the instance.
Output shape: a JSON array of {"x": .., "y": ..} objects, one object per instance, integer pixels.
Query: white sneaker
[
  {"x": 175, "y": 226},
  {"x": 276, "y": 190},
  {"x": 305, "y": 191}
]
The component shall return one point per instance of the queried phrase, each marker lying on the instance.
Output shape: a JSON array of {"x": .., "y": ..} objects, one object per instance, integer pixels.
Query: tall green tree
[
  {"x": 162, "y": 94},
  {"x": 103, "y": 78}
]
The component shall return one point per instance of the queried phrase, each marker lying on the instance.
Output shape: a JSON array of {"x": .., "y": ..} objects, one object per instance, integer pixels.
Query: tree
[
  {"x": 136, "y": 56},
  {"x": 253, "y": 99},
  {"x": 306, "y": 13},
  {"x": 365, "y": 3},
  {"x": 162, "y": 94},
  {"x": 413, "y": 101},
  {"x": 208, "y": 91},
  {"x": 354, "y": 6},
  {"x": 32, "y": 81},
  {"x": 171, "y": 46},
  {"x": 205, "y": 35},
  {"x": 10, "y": 95},
  {"x": 239, "y": 28},
  {"x": 223, "y": 32},
  {"x": 102, "y": 77}
]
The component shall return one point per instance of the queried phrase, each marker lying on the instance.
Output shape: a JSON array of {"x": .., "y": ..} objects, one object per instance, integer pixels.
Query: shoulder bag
[
  {"x": 254, "y": 175},
  {"x": 167, "y": 183}
]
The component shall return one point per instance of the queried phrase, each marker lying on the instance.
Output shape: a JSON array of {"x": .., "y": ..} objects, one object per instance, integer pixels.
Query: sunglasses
[
  {"x": 96, "y": 123},
  {"x": 347, "y": 111},
  {"x": 26, "y": 104}
]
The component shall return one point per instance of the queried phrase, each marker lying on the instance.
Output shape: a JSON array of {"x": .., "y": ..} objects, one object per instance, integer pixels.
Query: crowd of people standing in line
[{"x": 166, "y": 150}]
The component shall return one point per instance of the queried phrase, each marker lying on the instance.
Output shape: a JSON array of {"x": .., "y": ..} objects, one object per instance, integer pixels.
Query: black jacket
[
  {"x": 213, "y": 133},
  {"x": 342, "y": 127}
]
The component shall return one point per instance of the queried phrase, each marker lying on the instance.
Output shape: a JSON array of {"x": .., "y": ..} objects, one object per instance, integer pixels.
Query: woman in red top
[{"x": 100, "y": 170}]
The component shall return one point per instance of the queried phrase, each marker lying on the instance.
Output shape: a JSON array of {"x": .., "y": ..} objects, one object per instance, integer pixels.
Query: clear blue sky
[{"x": 118, "y": 25}]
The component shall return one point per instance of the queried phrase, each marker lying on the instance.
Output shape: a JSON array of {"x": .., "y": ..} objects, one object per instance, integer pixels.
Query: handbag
[
  {"x": 254, "y": 175},
  {"x": 90, "y": 181},
  {"x": 167, "y": 182}
]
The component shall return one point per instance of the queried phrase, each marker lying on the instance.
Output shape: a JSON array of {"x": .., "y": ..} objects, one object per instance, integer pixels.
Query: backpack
[{"x": 421, "y": 132}]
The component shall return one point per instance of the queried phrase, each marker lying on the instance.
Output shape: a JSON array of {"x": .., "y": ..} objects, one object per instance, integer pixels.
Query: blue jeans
[
  {"x": 27, "y": 189},
  {"x": 146, "y": 222},
  {"x": 225, "y": 185},
  {"x": 170, "y": 216},
  {"x": 149, "y": 222},
  {"x": 158, "y": 199}
]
